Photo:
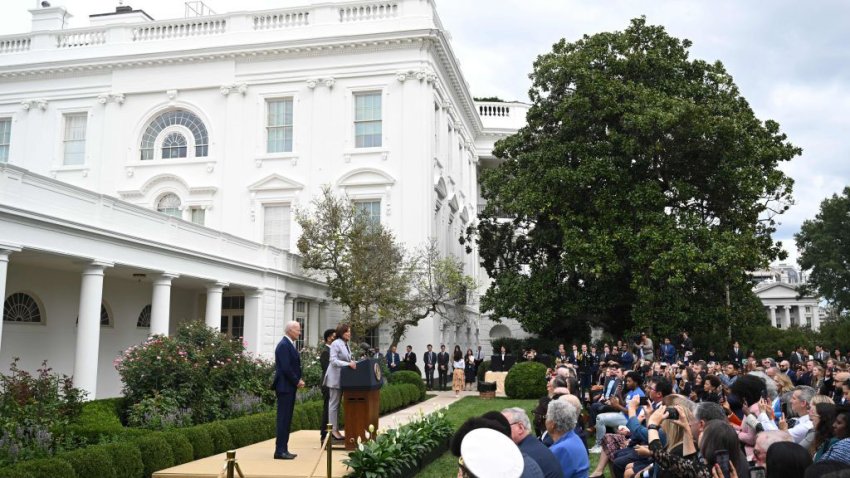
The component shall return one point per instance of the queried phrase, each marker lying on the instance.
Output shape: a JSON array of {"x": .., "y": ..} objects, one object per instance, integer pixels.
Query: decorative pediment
[
  {"x": 275, "y": 182},
  {"x": 440, "y": 188},
  {"x": 776, "y": 290},
  {"x": 163, "y": 179},
  {"x": 365, "y": 177}
]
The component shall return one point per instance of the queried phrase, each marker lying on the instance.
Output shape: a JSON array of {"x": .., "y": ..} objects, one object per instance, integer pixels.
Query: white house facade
[
  {"x": 149, "y": 171},
  {"x": 786, "y": 308}
]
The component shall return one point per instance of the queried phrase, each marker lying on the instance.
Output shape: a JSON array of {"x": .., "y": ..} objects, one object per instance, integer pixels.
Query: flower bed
[{"x": 402, "y": 451}]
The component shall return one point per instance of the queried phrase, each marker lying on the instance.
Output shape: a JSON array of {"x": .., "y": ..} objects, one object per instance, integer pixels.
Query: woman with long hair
[
  {"x": 822, "y": 415},
  {"x": 786, "y": 460},
  {"x": 457, "y": 374},
  {"x": 469, "y": 370},
  {"x": 717, "y": 437}
]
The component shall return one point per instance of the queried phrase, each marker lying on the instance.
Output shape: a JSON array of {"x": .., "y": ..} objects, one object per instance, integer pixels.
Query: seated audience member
[
  {"x": 840, "y": 450},
  {"x": 632, "y": 382},
  {"x": 567, "y": 447},
  {"x": 786, "y": 460},
  {"x": 823, "y": 417},
  {"x": 717, "y": 435},
  {"x": 528, "y": 444},
  {"x": 497, "y": 422},
  {"x": 486, "y": 452},
  {"x": 763, "y": 442}
]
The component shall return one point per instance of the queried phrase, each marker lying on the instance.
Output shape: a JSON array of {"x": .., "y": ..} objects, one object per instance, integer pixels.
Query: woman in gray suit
[{"x": 340, "y": 356}]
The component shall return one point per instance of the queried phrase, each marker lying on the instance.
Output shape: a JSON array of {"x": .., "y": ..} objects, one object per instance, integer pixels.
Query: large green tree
[
  {"x": 640, "y": 192},
  {"x": 824, "y": 245}
]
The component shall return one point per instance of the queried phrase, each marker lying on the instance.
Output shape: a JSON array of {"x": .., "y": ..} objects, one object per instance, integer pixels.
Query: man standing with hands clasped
[
  {"x": 443, "y": 367},
  {"x": 287, "y": 379},
  {"x": 430, "y": 359}
]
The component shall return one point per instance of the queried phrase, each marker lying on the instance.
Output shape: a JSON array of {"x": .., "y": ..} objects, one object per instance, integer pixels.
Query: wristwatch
[{"x": 653, "y": 426}]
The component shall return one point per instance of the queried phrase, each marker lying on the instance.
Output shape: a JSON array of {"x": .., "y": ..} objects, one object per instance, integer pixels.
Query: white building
[
  {"x": 776, "y": 287},
  {"x": 149, "y": 170}
]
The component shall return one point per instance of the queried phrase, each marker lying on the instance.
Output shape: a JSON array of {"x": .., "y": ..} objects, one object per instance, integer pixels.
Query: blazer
[
  {"x": 325, "y": 358},
  {"x": 287, "y": 367},
  {"x": 430, "y": 358},
  {"x": 392, "y": 357},
  {"x": 340, "y": 357}
]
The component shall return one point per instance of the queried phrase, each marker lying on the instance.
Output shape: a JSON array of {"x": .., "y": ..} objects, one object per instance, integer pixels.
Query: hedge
[
  {"x": 414, "y": 378},
  {"x": 90, "y": 461},
  {"x": 99, "y": 418},
  {"x": 156, "y": 453},
  {"x": 126, "y": 458},
  {"x": 202, "y": 444},
  {"x": 45, "y": 468},
  {"x": 526, "y": 380},
  {"x": 181, "y": 448}
]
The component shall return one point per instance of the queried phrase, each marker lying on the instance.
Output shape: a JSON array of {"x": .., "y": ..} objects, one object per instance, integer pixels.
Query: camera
[{"x": 672, "y": 414}]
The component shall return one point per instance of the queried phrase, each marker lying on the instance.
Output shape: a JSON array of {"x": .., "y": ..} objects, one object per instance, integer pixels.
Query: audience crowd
[{"x": 665, "y": 410}]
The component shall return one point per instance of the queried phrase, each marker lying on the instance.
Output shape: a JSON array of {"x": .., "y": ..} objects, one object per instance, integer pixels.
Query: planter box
[{"x": 487, "y": 395}]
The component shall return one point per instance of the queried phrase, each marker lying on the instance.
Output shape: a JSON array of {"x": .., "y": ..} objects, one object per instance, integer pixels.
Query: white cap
[{"x": 488, "y": 453}]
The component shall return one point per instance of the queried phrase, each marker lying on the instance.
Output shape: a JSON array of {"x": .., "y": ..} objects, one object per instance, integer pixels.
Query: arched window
[
  {"x": 21, "y": 307},
  {"x": 174, "y": 146},
  {"x": 144, "y": 319},
  {"x": 105, "y": 318},
  {"x": 169, "y": 204},
  {"x": 178, "y": 117}
]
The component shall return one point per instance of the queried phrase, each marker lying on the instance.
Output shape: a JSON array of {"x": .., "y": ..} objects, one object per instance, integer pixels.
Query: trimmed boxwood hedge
[
  {"x": 126, "y": 458},
  {"x": 181, "y": 448},
  {"x": 404, "y": 376},
  {"x": 526, "y": 380},
  {"x": 90, "y": 461},
  {"x": 14, "y": 473},
  {"x": 156, "y": 453},
  {"x": 220, "y": 437},
  {"x": 46, "y": 468},
  {"x": 202, "y": 444}
]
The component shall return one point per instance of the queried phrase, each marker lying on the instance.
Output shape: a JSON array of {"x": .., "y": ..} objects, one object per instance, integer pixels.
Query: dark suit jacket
[
  {"x": 443, "y": 360},
  {"x": 325, "y": 358},
  {"x": 392, "y": 357},
  {"x": 549, "y": 465},
  {"x": 430, "y": 358},
  {"x": 287, "y": 367},
  {"x": 736, "y": 357},
  {"x": 410, "y": 358}
]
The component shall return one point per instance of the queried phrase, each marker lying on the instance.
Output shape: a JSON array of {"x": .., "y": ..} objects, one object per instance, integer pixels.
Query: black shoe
[
  {"x": 285, "y": 456},
  {"x": 336, "y": 438}
]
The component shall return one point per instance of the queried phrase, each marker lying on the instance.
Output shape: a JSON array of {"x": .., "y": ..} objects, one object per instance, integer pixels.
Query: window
[
  {"x": 276, "y": 224},
  {"x": 233, "y": 326},
  {"x": 279, "y": 126},
  {"x": 183, "y": 118},
  {"x": 372, "y": 337},
  {"x": 367, "y": 120},
  {"x": 144, "y": 320},
  {"x": 75, "y": 139},
  {"x": 21, "y": 307},
  {"x": 174, "y": 146},
  {"x": 169, "y": 204},
  {"x": 371, "y": 210},
  {"x": 199, "y": 215},
  {"x": 5, "y": 138},
  {"x": 105, "y": 319},
  {"x": 233, "y": 302},
  {"x": 301, "y": 312}
]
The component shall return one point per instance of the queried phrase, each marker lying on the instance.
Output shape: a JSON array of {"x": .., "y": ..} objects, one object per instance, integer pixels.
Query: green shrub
[
  {"x": 159, "y": 412},
  {"x": 202, "y": 444},
  {"x": 90, "y": 461},
  {"x": 220, "y": 437},
  {"x": 97, "y": 419},
  {"x": 409, "y": 377},
  {"x": 181, "y": 448},
  {"x": 483, "y": 369},
  {"x": 47, "y": 468},
  {"x": 240, "y": 433},
  {"x": 526, "y": 380},
  {"x": 156, "y": 453},
  {"x": 126, "y": 459},
  {"x": 14, "y": 473}
]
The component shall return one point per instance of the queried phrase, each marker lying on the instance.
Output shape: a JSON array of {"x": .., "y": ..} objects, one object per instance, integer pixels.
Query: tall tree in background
[
  {"x": 640, "y": 193},
  {"x": 824, "y": 245},
  {"x": 366, "y": 270}
]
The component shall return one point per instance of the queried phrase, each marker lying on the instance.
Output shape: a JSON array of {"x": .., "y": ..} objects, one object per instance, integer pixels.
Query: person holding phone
[{"x": 718, "y": 435}]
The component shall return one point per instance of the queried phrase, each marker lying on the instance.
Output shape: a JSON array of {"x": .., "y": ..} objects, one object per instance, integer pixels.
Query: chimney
[
  {"x": 122, "y": 14},
  {"x": 49, "y": 18}
]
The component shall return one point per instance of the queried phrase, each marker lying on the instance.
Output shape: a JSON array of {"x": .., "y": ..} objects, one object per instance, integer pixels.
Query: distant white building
[
  {"x": 776, "y": 287},
  {"x": 149, "y": 171}
]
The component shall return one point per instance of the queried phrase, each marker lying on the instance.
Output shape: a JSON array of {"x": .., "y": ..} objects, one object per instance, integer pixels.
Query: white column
[
  {"x": 161, "y": 303},
  {"x": 815, "y": 317},
  {"x": 322, "y": 316},
  {"x": 253, "y": 320},
  {"x": 5, "y": 252},
  {"x": 773, "y": 316},
  {"x": 213, "y": 315},
  {"x": 88, "y": 328},
  {"x": 787, "y": 323},
  {"x": 288, "y": 309}
]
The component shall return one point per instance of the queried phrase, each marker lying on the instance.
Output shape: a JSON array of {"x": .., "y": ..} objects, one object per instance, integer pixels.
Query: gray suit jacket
[{"x": 340, "y": 358}]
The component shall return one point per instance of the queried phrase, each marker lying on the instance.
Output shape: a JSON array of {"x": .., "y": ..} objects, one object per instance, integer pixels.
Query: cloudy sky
[{"x": 789, "y": 58}]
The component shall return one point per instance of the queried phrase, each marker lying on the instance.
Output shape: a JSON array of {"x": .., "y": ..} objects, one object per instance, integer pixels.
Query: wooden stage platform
[{"x": 256, "y": 461}]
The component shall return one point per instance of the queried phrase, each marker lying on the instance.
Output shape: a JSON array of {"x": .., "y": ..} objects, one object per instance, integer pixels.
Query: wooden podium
[{"x": 361, "y": 398}]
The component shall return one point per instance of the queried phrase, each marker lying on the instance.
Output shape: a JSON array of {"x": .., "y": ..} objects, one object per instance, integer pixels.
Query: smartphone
[
  {"x": 644, "y": 401},
  {"x": 672, "y": 414},
  {"x": 757, "y": 472},
  {"x": 721, "y": 457}
]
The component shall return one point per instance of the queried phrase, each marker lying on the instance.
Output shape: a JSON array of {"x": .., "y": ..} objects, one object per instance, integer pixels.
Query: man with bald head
[
  {"x": 763, "y": 442},
  {"x": 287, "y": 379}
]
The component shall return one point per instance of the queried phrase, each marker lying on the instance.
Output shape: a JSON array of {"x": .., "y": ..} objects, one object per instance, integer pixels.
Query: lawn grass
[{"x": 459, "y": 412}]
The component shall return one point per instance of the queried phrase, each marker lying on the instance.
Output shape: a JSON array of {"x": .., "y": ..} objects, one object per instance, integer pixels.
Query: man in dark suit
[
  {"x": 393, "y": 360},
  {"x": 443, "y": 367},
  {"x": 324, "y": 360},
  {"x": 430, "y": 359},
  {"x": 796, "y": 357},
  {"x": 410, "y": 358},
  {"x": 287, "y": 379},
  {"x": 736, "y": 355}
]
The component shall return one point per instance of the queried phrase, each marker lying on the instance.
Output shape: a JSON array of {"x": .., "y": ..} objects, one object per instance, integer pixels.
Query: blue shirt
[
  {"x": 637, "y": 392},
  {"x": 572, "y": 455}
]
